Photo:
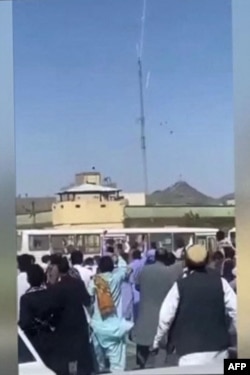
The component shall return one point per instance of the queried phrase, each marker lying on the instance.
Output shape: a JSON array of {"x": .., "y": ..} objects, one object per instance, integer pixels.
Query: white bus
[{"x": 91, "y": 241}]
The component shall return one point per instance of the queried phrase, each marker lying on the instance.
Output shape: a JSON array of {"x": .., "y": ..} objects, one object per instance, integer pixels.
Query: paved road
[{"x": 131, "y": 358}]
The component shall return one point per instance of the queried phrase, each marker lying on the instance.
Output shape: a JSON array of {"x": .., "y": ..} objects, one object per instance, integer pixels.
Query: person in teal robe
[{"x": 109, "y": 332}]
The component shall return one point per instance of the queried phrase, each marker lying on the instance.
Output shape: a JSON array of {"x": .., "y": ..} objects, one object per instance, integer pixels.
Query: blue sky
[{"x": 76, "y": 93}]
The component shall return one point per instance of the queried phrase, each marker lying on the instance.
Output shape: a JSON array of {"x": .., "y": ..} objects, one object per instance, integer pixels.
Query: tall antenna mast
[{"x": 142, "y": 114}]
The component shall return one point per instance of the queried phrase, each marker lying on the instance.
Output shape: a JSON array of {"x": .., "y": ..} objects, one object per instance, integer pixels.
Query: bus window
[
  {"x": 201, "y": 240},
  {"x": 92, "y": 243},
  {"x": 60, "y": 243},
  {"x": 39, "y": 243},
  {"x": 79, "y": 242},
  {"x": 211, "y": 244},
  {"x": 187, "y": 238},
  {"x": 107, "y": 240},
  {"x": 162, "y": 240},
  {"x": 19, "y": 242},
  {"x": 142, "y": 240}
]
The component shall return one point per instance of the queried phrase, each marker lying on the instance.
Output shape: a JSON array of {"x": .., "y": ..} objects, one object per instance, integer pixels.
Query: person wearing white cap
[{"x": 193, "y": 314}]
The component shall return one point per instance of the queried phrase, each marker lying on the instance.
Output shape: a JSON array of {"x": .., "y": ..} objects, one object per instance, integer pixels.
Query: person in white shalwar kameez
[{"x": 196, "y": 259}]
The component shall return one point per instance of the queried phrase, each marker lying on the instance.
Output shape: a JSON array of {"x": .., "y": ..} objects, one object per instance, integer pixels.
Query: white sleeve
[
  {"x": 230, "y": 301},
  {"x": 167, "y": 314}
]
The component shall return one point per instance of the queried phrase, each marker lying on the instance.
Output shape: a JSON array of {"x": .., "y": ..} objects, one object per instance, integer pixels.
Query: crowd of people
[{"x": 80, "y": 314}]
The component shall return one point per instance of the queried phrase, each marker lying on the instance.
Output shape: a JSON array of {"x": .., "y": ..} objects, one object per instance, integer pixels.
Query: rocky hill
[{"x": 181, "y": 193}]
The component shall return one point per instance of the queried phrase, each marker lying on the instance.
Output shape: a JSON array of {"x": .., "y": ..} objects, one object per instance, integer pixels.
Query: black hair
[
  {"x": 110, "y": 242},
  {"x": 217, "y": 255},
  {"x": 46, "y": 259},
  {"x": 32, "y": 259},
  {"x": 229, "y": 252},
  {"x": 89, "y": 262},
  {"x": 220, "y": 235},
  {"x": 63, "y": 266},
  {"x": 170, "y": 259},
  {"x": 110, "y": 250},
  {"x": 154, "y": 245},
  {"x": 24, "y": 262},
  {"x": 55, "y": 259},
  {"x": 35, "y": 275},
  {"x": 106, "y": 264},
  {"x": 76, "y": 258},
  {"x": 136, "y": 254},
  {"x": 161, "y": 255}
]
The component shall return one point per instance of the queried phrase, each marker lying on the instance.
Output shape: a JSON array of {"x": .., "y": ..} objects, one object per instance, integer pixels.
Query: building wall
[
  {"x": 209, "y": 222},
  {"x": 41, "y": 220},
  {"x": 230, "y": 202},
  {"x": 178, "y": 211},
  {"x": 88, "y": 178},
  {"x": 89, "y": 197},
  {"x": 135, "y": 199},
  {"x": 219, "y": 217},
  {"x": 89, "y": 214},
  {"x": 185, "y": 216}
]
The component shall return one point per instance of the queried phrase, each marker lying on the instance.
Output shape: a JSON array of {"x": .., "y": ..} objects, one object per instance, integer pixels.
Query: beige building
[
  {"x": 230, "y": 202},
  {"x": 88, "y": 178},
  {"x": 135, "y": 199},
  {"x": 89, "y": 204}
]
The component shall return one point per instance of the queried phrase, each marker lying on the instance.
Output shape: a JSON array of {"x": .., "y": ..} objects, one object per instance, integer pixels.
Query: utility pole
[
  {"x": 141, "y": 91},
  {"x": 142, "y": 122}
]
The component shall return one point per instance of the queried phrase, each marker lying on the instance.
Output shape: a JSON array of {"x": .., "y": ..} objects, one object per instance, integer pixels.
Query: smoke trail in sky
[{"x": 143, "y": 19}]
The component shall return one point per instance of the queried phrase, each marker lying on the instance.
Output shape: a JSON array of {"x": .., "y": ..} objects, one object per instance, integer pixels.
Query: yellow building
[
  {"x": 89, "y": 205},
  {"x": 88, "y": 178}
]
